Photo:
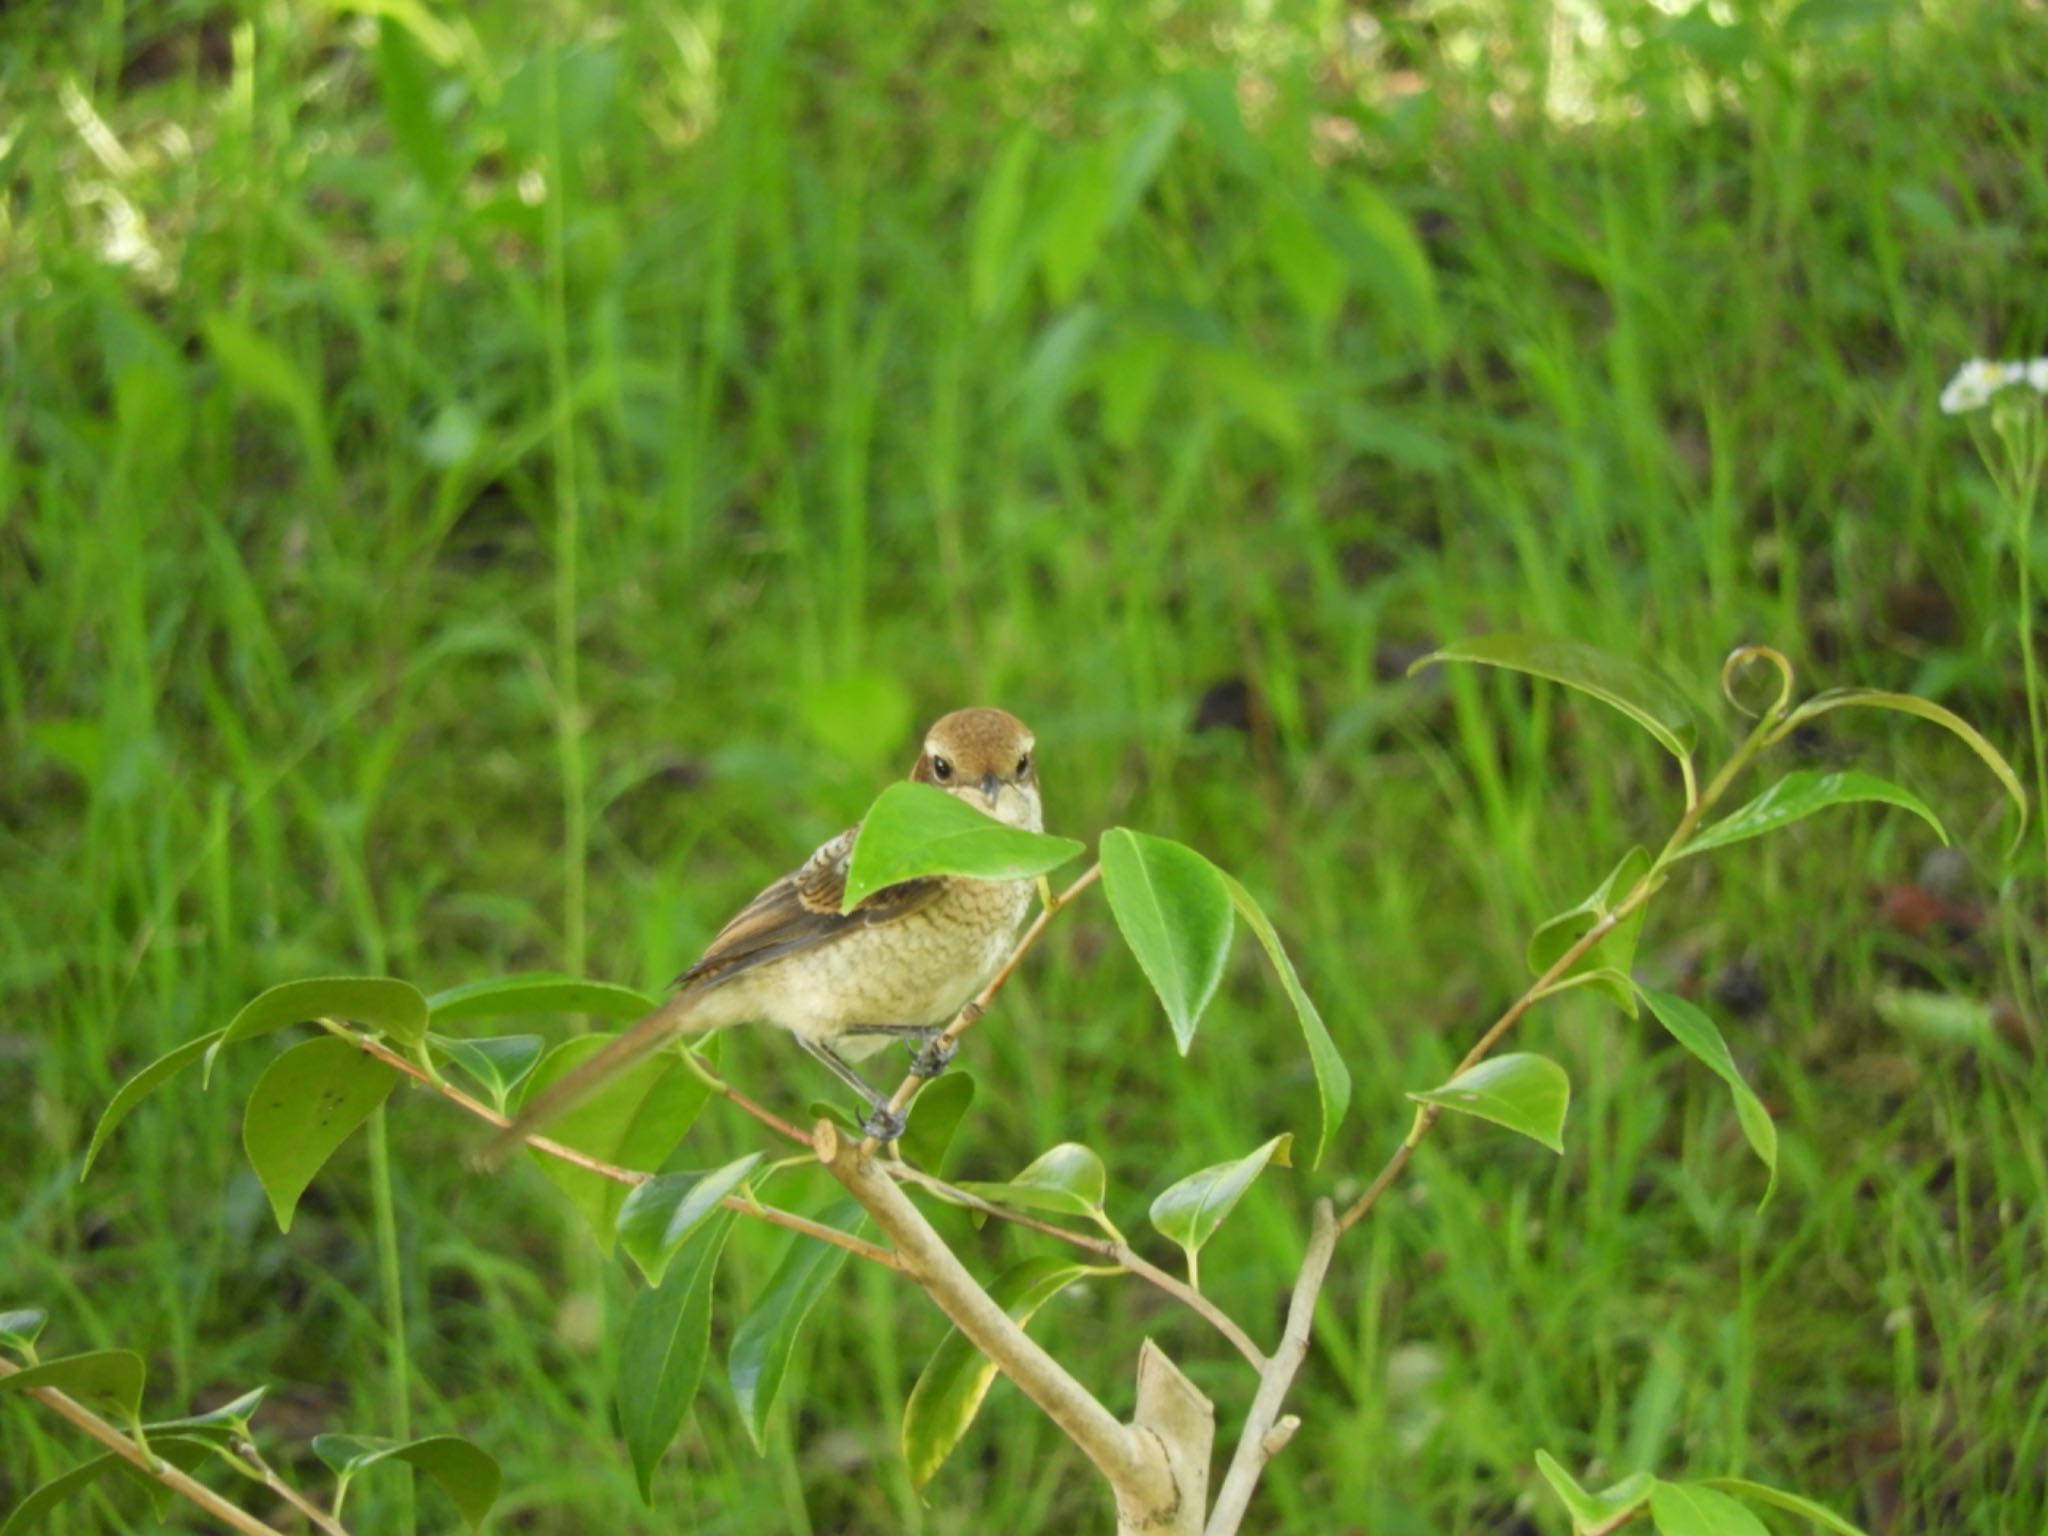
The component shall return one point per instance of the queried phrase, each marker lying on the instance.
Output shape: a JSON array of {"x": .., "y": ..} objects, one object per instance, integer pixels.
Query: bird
[{"x": 897, "y": 967}]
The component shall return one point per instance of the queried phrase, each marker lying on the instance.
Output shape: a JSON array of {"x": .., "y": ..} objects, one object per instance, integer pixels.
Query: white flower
[
  {"x": 1980, "y": 378},
  {"x": 2037, "y": 374}
]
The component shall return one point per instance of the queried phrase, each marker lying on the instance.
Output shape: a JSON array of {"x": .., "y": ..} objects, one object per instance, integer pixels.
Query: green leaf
[
  {"x": 403, "y": 81},
  {"x": 1174, "y": 911},
  {"x": 914, "y": 829},
  {"x": 1800, "y": 794},
  {"x": 1333, "y": 1078},
  {"x": 32, "y": 1510},
  {"x": 141, "y": 1086},
  {"x": 1068, "y": 1180},
  {"x": 954, "y": 1381},
  {"x": 1617, "y": 986},
  {"x": 658, "y": 1217},
  {"x": 259, "y": 367},
  {"x": 1636, "y": 690},
  {"x": 106, "y": 1379},
  {"x": 1906, "y": 703},
  {"x": 463, "y": 1470},
  {"x": 1615, "y": 952},
  {"x": 538, "y": 992},
  {"x": 498, "y": 1065},
  {"x": 1947, "y": 1017},
  {"x": 1522, "y": 1091},
  {"x": 393, "y": 1008},
  {"x": 230, "y": 1421},
  {"x": 304, "y": 1107},
  {"x": 634, "y": 1121},
  {"x": 761, "y": 1349},
  {"x": 1594, "y": 1511},
  {"x": 20, "y": 1329},
  {"x": 1190, "y": 1211},
  {"x": 998, "y": 257},
  {"x": 661, "y": 1359},
  {"x": 935, "y": 1116},
  {"x": 1071, "y": 238},
  {"x": 1691, "y": 1028},
  {"x": 1763, "y": 1494},
  {"x": 1693, "y": 1509}
]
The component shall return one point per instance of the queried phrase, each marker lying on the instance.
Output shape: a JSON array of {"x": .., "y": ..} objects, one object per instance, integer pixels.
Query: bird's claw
[
  {"x": 931, "y": 1058},
  {"x": 885, "y": 1124}
]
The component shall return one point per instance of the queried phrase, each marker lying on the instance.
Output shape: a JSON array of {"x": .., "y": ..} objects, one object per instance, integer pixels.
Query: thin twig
[
  {"x": 976, "y": 1006},
  {"x": 1109, "y": 1248},
  {"x": 773, "y": 1215},
  {"x": 152, "y": 1467},
  {"x": 319, "y": 1517}
]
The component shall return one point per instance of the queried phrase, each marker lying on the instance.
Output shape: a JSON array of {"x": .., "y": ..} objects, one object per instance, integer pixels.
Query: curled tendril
[{"x": 1742, "y": 657}]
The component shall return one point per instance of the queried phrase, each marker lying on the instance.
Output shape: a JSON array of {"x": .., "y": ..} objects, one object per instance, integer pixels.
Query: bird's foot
[
  {"x": 885, "y": 1124},
  {"x": 932, "y": 1058}
]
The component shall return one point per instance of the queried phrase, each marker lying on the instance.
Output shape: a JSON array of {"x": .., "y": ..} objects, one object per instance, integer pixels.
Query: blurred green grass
[{"x": 488, "y": 494}]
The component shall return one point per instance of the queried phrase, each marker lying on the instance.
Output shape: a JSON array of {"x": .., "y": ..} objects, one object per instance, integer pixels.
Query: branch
[
  {"x": 605, "y": 1170},
  {"x": 976, "y": 1006},
  {"x": 1265, "y": 1431},
  {"x": 1135, "y": 1462},
  {"x": 1120, "y": 1253},
  {"x": 152, "y": 1467}
]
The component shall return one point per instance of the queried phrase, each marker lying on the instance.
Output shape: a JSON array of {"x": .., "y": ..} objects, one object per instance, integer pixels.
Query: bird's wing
[{"x": 801, "y": 911}]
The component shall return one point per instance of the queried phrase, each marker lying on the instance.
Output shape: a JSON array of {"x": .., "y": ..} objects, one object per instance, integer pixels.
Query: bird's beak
[{"x": 991, "y": 787}]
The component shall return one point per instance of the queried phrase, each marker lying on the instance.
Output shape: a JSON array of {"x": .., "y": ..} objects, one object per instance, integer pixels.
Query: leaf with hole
[
  {"x": 141, "y": 1086},
  {"x": 1802, "y": 793},
  {"x": 1521, "y": 1091},
  {"x": 1333, "y": 1078},
  {"x": 661, "y": 1358},
  {"x": 1190, "y": 1210},
  {"x": 1601, "y": 1511},
  {"x": 1691, "y": 1028},
  {"x": 762, "y": 1346},
  {"x": 393, "y": 1008},
  {"x": 1173, "y": 909},
  {"x": 1068, "y": 1180},
  {"x": 953, "y": 1383},
  {"x": 915, "y": 830},
  {"x": 1693, "y": 1509},
  {"x": 538, "y": 992},
  {"x": 109, "y": 1380},
  {"x": 306, "y": 1104},
  {"x": 658, "y": 1217},
  {"x": 1638, "y": 691},
  {"x": 463, "y": 1470}
]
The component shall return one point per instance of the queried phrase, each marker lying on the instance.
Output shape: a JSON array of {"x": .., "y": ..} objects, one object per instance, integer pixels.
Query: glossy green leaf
[
  {"x": 496, "y": 1065},
  {"x": 634, "y": 1121},
  {"x": 141, "y": 1086},
  {"x": 1190, "y": 1211},
  {"x": 1616, "y": 952},
  {"x": 1333, "y": 1078},
  {"x": 1617, "y": 986},
  {"x": 1594, "y": 1511},
  {"x": 661, "y": 1358},
  {"x": 1821, "y": 1516},
  {"x": 394, "y": 1008},
  {"x": 914, "y": 829},
  {"x": 762, "y": 1346},
  {"x": 463, "y": 1470},
  {"x": 306, "y": 1104},
  {"x": 230, "y": 1421},
  {"x": 32, "y": 1510},
  {"x": 1905, "y": 703},
  {"x": 1693, "y": 1509},
  {"x": 1636, "y": 690},
  {"x": 1068, "y": 1180},
  {"x": 109, "y": 1380},
  {"x": 538, "y": 992},
  {"x": 1522, "y": 1091},
  {"x": 1802, "y": 793},
  {"x": 1691, "y": 1028},
  {"x": 950, "y": 1388},
  {"x": 658, "y": 1217},
  {"x": 20, "y": 1328},
  {"x": 1174, "y": 911},
  {"x": 935, "y": 1116}
]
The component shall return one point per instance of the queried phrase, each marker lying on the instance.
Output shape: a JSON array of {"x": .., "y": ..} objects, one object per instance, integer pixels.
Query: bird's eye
[
  {"x": 941, "y": 768},
  {"x": 1023, "y": 765}
]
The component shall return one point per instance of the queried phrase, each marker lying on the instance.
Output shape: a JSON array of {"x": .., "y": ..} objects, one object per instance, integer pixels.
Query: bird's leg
[
  {"x": 928, "y": 1058},
  {"x": 882, "y": 1123}
]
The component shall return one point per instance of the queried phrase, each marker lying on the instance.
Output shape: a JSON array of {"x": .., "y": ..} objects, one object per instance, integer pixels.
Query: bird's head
[{"x": 988, "y": 758}]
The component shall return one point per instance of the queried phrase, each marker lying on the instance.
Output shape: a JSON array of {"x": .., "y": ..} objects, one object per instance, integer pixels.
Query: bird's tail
[{"x": 680, "y": 1015}]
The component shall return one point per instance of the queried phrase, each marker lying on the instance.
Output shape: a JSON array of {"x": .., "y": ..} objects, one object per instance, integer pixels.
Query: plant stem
[{"x": 390, "y": 1281}]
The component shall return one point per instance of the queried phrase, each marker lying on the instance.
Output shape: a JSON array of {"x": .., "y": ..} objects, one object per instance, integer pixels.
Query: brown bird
[{"x": 897, "y": 967}]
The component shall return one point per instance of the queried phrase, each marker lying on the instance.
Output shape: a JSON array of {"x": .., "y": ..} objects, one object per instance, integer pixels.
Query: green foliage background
[{"x": 488, "y": 492}]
